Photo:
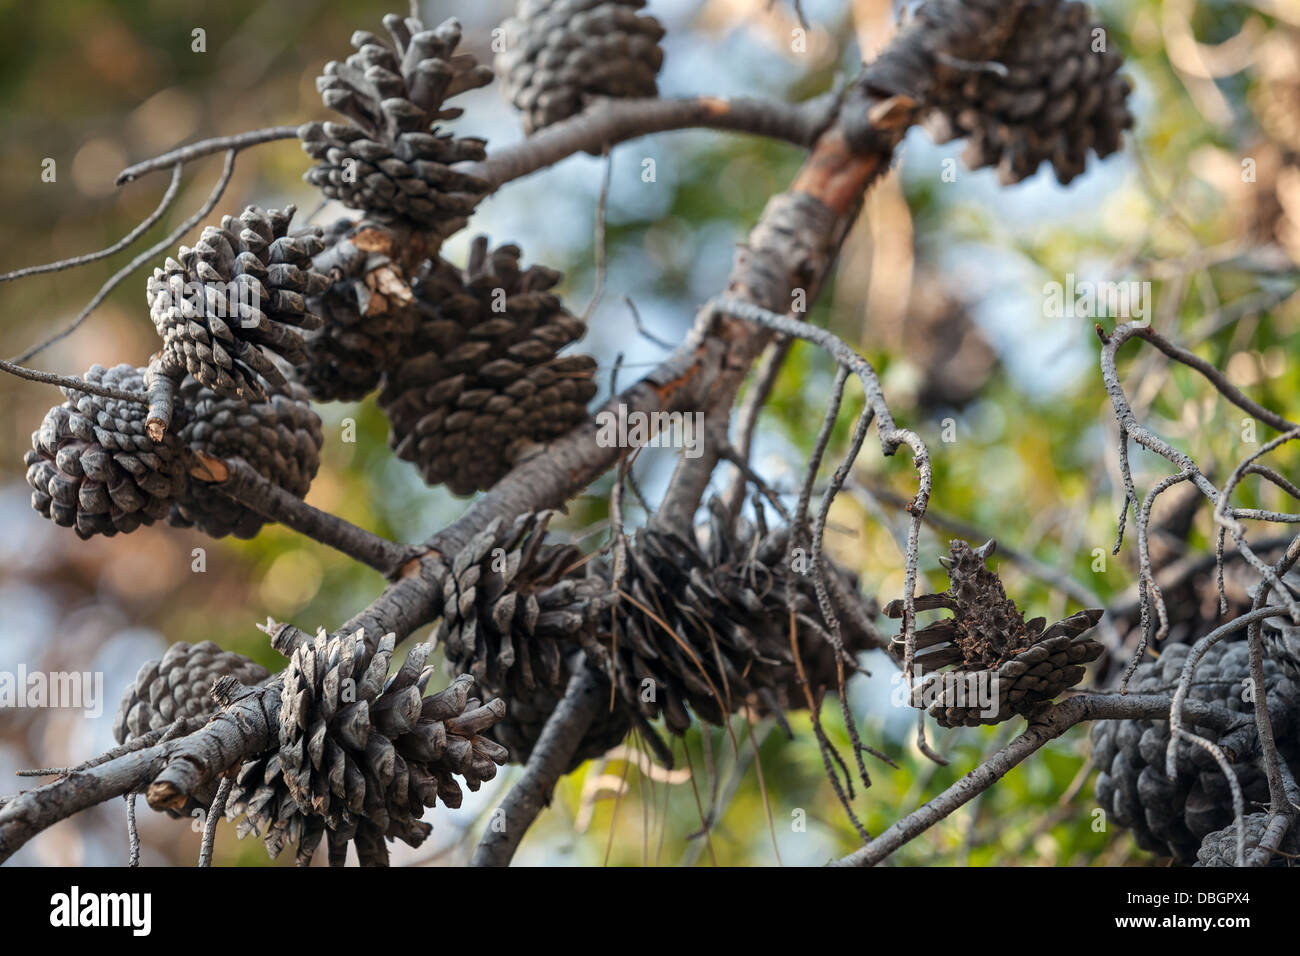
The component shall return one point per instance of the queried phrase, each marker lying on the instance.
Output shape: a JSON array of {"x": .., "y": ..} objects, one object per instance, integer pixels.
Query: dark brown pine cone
[
  {"x": 1281, "y": 637},
  {"x": 1172, "y": 817},
  {"x": 240, "y": 290},
  {"x": 559, "y": 54},
  {"x": 1004, "y": 665},
  {"x": 513, "y": 607},
  {"x": 361, "y": 754},
  {"x": 93, "y": 466},
  {"x": 390, "y": 158},
  {"x": 279, "y": 437},
  {"x": 725, "y": 604},
  {"x": 1026, "y": 82},
  {"x": 484, "y": 384}
]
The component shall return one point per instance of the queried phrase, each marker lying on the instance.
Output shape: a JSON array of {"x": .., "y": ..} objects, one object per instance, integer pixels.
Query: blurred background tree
[{"x": 941, "y": 286}]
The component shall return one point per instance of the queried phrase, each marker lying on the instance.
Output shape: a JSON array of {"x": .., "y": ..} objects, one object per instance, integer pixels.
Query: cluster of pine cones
[{"x": 257, "y": 319}]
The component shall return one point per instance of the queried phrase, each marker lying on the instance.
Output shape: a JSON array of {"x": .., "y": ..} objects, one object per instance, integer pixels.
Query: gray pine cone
[
  {"x": 93, "y": 466},
  {"x": 367, "y": 321},
  {"x": 363, "y": 754},
  {"x": 1220, "y": 847},
  {"x": 179, "y": 685},
  {"x": 485, "y": 384},
  {"x": 559, "y": 54},
  {"x": 389, "y": 159},
  {"x": 1172, "y": 817},
  {"x": 994, "y": 648},
  {"x": 513, "y": 607},
  {"x": 280, "y": 437},
  {"x": 240, "y": 290}
]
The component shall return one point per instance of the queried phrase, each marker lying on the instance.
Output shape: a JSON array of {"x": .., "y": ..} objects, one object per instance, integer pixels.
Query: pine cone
[
  {"x": 1019, "y": 79},
  {"x": 1220, "y": 847},
  {"x": 512, "y": 610},
  {"x": 362, "y": 756},
  {"x": 240, "y": 290},
  {"x": 559, "y": 54},
  {"x": 996, "y": 651},
  {"x": 1282, "y": 638},
  {"x": 367, "y": 322},
  {"x": 93, "y": 466},
  {"x": 179, "y": 685},
  {"x": 730, "y": 642},
  {"x": 485, "y": 384},
  {"x": 1171, "y": 817},
  {"x": 279, "y": 437},
  {"x": 389, "y": 159}
]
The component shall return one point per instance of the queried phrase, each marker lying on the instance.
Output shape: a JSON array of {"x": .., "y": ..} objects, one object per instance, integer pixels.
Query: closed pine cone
[
  {"x": 561, "y": 53},
  {"x": 1172, "y": 817},
  {"x": 93, "y": 466}
]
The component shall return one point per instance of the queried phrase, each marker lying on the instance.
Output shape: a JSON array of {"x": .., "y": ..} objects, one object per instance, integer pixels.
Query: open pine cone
[
  {"x": 389, "y": 159},
  {"x": 513, "y": 606},
  {"x": 361, "y": 755},
  {"x": 559, "y": 54},
  {"x": 240, "y": 290},
  {"x": 484, "y": 384},
  {"x": 1280, "y": 636},
  {"x": 1172, "y": 817},
  {"x": 1005, "y": 665}
]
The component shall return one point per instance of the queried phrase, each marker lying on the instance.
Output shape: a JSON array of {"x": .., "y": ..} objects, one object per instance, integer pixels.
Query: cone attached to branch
[
  {"x": 1170, "y": 817},
  {"x": 560, "y": 54},
  {"x": 280, "y": 437},
  {"x": 513, "y": 609},
  {"x": 485, "y": 384},
  {"x": 389, "y": 157},
  {"x": 229, "y": 304},
  {"x": 710, "y": 628},
  {"x": 1281, "y": 637},
  {"x": 1025, "y": 82},
  {"x": 362, "y": 754},
  {"x": 93, "y": 465},
  {"x": 998, "y": 664}
]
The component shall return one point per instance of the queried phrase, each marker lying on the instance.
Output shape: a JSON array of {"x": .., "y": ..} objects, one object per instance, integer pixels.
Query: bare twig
[{"x": 185, "y": 154}]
